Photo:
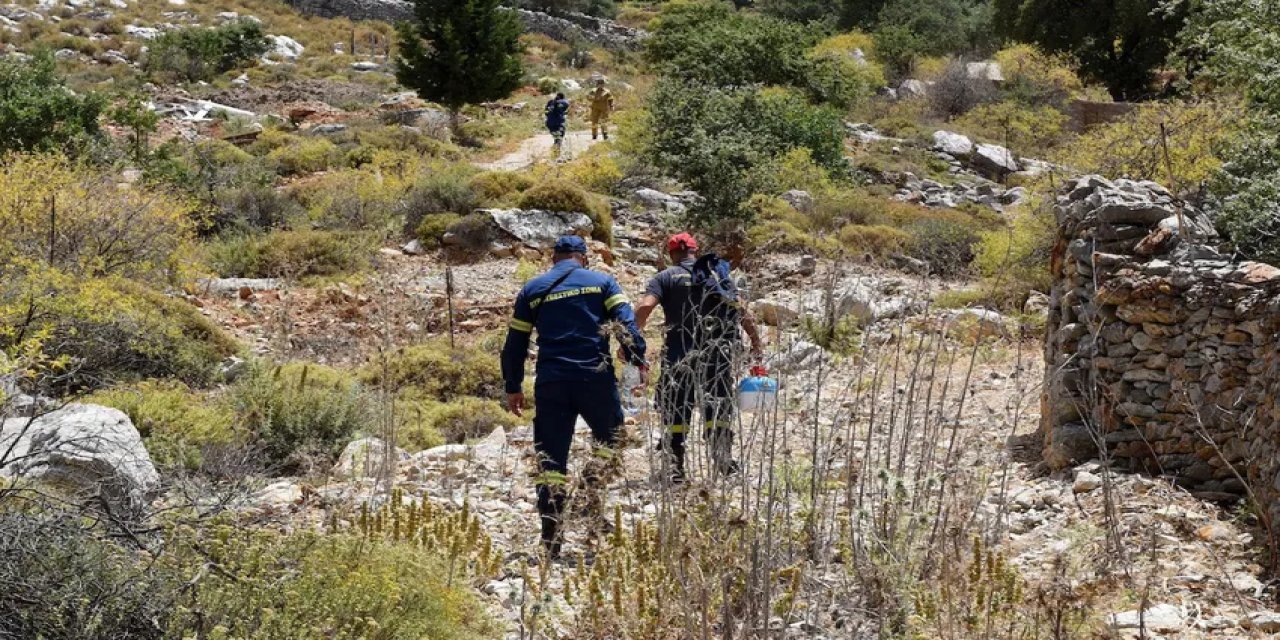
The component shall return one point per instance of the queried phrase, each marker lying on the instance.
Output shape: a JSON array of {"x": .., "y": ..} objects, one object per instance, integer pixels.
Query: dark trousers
[{"x": 558, "y": 405}]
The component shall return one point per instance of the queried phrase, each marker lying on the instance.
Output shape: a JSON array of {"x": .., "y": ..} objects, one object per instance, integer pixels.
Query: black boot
[
  {"x": 551, "y": 503},
  {"x": 673, "y": 452},
  {"x": 551, "y": 540},
  {"x": 721, "y": 444},
  {"x": 606, "y": 135}
]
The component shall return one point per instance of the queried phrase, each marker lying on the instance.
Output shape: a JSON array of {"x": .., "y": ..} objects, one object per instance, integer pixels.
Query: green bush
[
  {"x": 562, "y": 195},
  {"x": 437, "y": 372},
  {"x": 1027, "y": 130},
  {"x": 425, "y": 423},
  {"x": 302, "y": 415},
  {"x": 433, "y": 227},
  {"x": 708, "y": 42},
  {"x": 294, "y": 254},
  {"x": 473, "y": 232},
  {"x": 38, "y": 113},
  {"x": 176, "y": 423},
  {"x": 111, "y": 330},
  {"x": 447, "y": 189},
  {"x": 878, "y": 241},
  {"x": 305, "y": 155},
  {"x": 200, "y": 53},
  {"x": 308, "y": 586},
  {"x": 946, "y": 244},
  {"x": 493, "y": 186},
  {"x": 722, "y": 143}
]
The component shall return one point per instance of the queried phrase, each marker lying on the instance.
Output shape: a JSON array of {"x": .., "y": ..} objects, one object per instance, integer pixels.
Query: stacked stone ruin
[{"x": 1161, "y": 353}]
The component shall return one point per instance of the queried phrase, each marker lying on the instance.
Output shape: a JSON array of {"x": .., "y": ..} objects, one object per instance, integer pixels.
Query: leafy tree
[
  {"x": 722, "y": 142},
  {"x": 709, "y": 42},
  {"x": 38, "y": 113},
  {"x": 200, "y": 53},
  {"x": 460, "y": 52},
  {"x": 1117, "y": 42},
  {"x": 1235, "y": 44}
]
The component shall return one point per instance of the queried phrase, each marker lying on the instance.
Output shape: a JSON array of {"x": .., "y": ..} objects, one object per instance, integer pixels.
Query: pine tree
[{"x": 460, "y": 52}]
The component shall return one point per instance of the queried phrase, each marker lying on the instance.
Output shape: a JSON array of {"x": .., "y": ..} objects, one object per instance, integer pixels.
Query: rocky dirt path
[{"x": 539, "y": 148}]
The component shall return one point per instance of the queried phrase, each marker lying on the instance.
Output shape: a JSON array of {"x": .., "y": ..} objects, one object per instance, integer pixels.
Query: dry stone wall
[{"x": 1159, "y": 350}]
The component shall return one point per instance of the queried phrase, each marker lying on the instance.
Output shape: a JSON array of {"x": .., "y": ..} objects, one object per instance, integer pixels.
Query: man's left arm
[
  {"x": 514, "y": 354},
  {"x": 618, "y": 309}
]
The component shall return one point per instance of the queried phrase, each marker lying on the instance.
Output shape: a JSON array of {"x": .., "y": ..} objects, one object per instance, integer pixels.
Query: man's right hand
[{"x": 515, "y": 403}]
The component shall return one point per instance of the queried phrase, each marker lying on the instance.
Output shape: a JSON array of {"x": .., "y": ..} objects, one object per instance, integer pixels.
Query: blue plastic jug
[{"x": 757, "y": 391}]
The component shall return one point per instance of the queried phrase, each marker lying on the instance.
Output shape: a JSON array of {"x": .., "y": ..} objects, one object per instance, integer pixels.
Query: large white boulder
[
  {"x": 994, "y": 161},
  {"x": 87, "y": 449},
  {"x": 537, "y": 228},
  {"x": 953, "y": 144},
  {"x": 285, "y": 48}
]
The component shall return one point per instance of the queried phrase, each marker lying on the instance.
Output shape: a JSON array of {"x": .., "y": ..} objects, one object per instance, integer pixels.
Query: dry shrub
[
  {"x": 437, "y": 371},
  {"x": 495, "y": 186},
  {"x": 562, "y": 195}
]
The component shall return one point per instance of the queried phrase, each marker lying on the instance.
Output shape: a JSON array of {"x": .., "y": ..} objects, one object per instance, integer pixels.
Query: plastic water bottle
[
  {"x": 632, "y": 390},
  {"x": 758, "y": 391}
]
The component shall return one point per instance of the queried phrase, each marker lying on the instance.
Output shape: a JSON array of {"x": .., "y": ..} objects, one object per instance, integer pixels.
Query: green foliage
[
  {"x": 433, "y": 227},
  {"x": 1117, "y": 42},
  {"x": 304, "y": 155},
  {"x": 1238, "y": 42},
  {"x": 897, "y": 48},
  {"x": 1198, "y": 138},
  {"x": 447, "y": 189},
  {"x": 460, "y": 52},
  {"x": 95, "y": 227},
  {"x": 302, "y": 415},
  {"x": 1019, "y": 254},
  {"x": 1036, "y": 78},
  {"x": 194, "y": 54},
  {"x": 472, "y": 232},
  {"x": 38, "y": 113},
  {"x": 110, "y": 329},
  {"x": 562, "y": 195},
  {"x": 494, "y": 186},
  {"x": 425, "y": 423},
  {"x": 140, "y": 121},
  {"x": 308, "y": 586},
  {"x": 945, "y": 243},
  {"x": 720, "y": 142},
  {"x": 176, "y": 423},
  {"x": 708, "y": 42},
  {"x": 435, "y": 371},
  {"x": 62, "y": 580},
  {"x": 878, "y": 241},
  {"x": 1031, "y": 131},
  {"x": 839, "y": 78},
  {"x": 292, "y": 254}
]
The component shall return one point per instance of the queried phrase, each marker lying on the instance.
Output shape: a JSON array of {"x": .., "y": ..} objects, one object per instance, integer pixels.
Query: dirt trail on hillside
[{"x": 539, "y": 149}]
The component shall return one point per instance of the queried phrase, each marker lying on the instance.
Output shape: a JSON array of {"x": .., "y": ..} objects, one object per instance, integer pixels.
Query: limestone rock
[
  {"x": 801, "y": 201},
  {"x": 89, "y": 449},
  {"x": 285, "y": 48},
  {"x": 1085, "y": 482},
  {"x": 539, "y": 229},
  {"x": 953, "y": 144},
  {"x": 994, "y": 161},
  {"x": 1070, "y": 443},
  {"x": 1161, "y": 618},
  {"x": 364, "y": 457}
]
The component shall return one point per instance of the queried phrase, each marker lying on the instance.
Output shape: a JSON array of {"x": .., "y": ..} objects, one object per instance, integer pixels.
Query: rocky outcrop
[
  {"x": 88, "y": 450},
  {"x": 539, "y": 229},
  {"x": 866, "y": 300},
  {"x": 1159, "y": 349},
  {"x": 568, "y": 28}
]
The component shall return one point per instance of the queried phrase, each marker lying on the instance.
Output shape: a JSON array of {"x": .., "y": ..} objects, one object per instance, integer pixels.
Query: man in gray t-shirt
[{"x": 697, "y": 358}]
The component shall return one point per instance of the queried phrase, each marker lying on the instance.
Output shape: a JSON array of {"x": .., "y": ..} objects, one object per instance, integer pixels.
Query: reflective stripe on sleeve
[
  {"x": 521, "y": 326},
  {"x": 615, "y": 300}
]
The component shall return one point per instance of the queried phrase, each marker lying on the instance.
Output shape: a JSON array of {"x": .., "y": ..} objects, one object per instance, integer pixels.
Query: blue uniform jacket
[
  {"x": 556, "y": 111},
  {"x": 572, "y": 345}
]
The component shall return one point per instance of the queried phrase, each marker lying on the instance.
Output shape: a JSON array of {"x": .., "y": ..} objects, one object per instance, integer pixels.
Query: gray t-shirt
[{"x": 673, "y": 288}]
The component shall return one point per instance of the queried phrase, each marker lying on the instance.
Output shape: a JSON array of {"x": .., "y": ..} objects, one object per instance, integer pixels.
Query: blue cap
[{"x": 571, "y": 244}]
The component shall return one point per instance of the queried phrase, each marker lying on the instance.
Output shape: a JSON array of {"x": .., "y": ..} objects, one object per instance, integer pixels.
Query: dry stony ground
[{"x": 1123, "y": 540}]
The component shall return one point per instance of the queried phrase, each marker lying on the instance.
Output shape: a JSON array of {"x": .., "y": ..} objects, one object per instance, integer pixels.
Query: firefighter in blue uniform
[{"x": 569, "y": 306}]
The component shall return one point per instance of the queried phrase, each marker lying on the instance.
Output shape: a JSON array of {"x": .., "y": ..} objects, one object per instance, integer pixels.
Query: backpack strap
[{"x": 537, "y": 310}]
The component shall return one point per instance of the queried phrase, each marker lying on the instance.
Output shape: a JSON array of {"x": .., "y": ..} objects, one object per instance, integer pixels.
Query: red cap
[
  {"x": 682, "y": 242},
  {"x": 759, "y": 371}
]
